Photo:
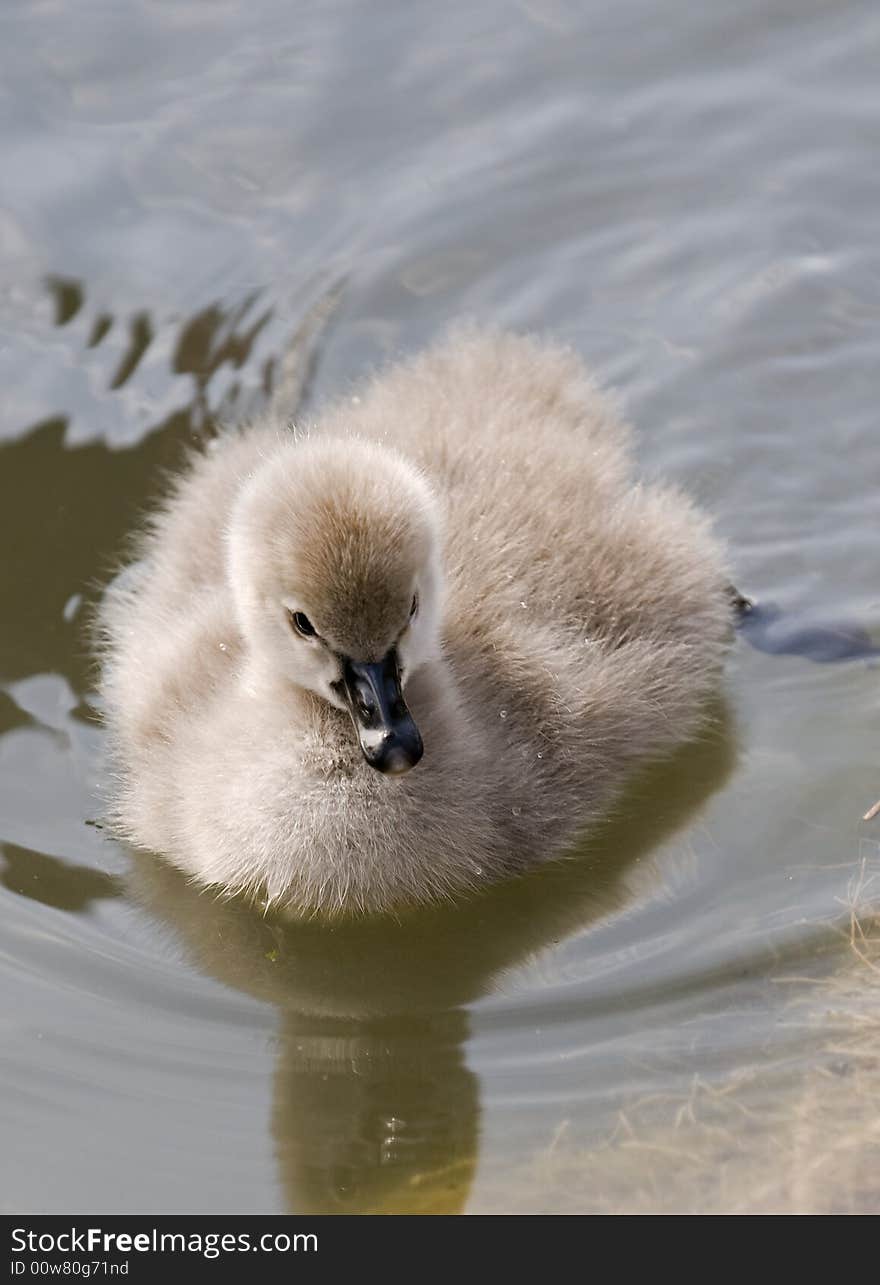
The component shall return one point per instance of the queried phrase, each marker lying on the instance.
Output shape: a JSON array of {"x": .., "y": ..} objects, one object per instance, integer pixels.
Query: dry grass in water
[{"x": 797, "y": 1133}]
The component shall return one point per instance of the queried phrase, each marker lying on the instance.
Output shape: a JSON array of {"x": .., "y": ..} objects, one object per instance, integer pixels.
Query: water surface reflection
[{"x": 375, "y": 1108}]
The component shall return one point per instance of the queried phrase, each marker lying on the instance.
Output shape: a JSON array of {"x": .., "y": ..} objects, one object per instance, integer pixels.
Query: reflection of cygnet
[
  {"x": 414, "y": 650},
  {"x": 376, "y": 1108}
]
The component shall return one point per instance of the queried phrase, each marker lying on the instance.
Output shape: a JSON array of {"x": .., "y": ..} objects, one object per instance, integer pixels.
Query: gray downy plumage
[{"x": 467, "y": 530}]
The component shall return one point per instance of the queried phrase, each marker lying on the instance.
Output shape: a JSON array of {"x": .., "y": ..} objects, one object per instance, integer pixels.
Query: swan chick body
[{"x": 415, "y": 650}]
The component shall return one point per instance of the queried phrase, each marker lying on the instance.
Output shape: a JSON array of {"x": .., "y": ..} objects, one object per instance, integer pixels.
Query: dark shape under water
[
  {"x": 68, "y": 298},
  {"x": 51, "y": 882},
  {"x": 767, "y": 627}
]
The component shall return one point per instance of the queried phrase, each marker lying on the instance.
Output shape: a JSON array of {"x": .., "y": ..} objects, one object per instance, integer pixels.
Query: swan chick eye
[{"x": 301, "y": 623}]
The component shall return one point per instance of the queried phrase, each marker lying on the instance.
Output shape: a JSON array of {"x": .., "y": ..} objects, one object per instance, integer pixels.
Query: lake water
[{"x": 682, "y": 1017}]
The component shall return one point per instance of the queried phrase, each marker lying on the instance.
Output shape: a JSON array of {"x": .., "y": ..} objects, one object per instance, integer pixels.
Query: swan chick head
[{"x": 334, "y": 566}]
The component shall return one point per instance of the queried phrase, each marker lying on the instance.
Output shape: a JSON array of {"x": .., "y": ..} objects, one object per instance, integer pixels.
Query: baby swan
[{"x": 414, "y": 651}]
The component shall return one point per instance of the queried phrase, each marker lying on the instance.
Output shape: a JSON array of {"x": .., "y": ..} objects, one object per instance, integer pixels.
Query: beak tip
[
  {"x": 395, "y": 759},
  {"x": 399, "y": 762}
]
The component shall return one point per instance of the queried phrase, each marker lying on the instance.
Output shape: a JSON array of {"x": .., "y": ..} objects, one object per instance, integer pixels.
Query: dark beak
[{"x": 389, "y": 738}]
